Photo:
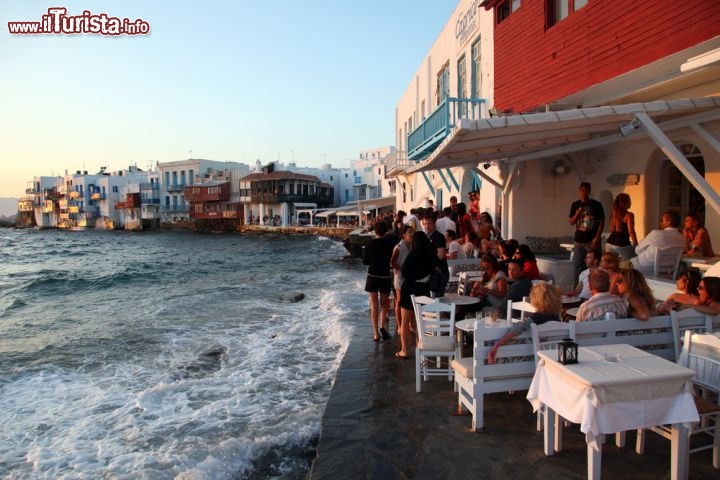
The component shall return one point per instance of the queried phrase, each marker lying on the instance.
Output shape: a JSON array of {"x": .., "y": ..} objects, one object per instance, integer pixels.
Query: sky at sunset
[{"x": 313, "y": 80}]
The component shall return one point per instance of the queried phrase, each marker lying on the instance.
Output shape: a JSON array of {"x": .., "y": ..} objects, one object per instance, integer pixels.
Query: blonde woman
[
  {"x": 622, "y": 239},
  {"x": 548, "y": 307}
]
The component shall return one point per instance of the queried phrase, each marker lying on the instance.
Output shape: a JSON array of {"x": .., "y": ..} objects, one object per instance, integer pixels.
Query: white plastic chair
[
  {"x": 667, "y": 260},
  {"x": 435, "y": 338},
  {"x": 466, "y": 281},
  {"x": 546, "y": 337},
  {"x": 701, "y": 353},
  {"x": 523, "y": 307},
  {"x": 687, "y": 320}
]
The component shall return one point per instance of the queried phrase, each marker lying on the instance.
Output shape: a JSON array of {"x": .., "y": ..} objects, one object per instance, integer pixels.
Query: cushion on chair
[
  {"x": 437, "y": 344},
  {"x": 705, "y": 406},
  {"x": 463, "y": 366}
]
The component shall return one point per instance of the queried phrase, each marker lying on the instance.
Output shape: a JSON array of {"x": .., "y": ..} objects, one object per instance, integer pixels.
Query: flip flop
[
  {"x": 404, "y": 357},
  {"x": 377, "y": 339},
  {"x": 385, "y": 334}
]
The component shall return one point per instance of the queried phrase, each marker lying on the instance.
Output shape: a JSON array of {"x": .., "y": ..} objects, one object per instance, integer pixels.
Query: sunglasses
[{"x": 620, "y": 280}]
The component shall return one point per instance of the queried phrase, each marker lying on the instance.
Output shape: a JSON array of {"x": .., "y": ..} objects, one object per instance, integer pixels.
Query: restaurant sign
[{"x": 466, "y": 23}]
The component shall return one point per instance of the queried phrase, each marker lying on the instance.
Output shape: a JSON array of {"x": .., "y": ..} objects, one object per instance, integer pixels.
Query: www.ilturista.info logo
[{"x": 57, "y": 21}]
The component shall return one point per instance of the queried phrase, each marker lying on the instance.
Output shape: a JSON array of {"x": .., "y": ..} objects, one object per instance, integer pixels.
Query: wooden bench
[{"x": 515, "y": 364}]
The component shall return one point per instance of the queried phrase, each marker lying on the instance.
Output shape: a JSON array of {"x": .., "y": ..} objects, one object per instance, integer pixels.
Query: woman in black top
[
  {"x": 622, "y": 239},
  {"x": 416, "y": 270}
]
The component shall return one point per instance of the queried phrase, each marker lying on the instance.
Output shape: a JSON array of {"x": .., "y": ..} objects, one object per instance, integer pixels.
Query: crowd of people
[{"x": 410, "y": 253}]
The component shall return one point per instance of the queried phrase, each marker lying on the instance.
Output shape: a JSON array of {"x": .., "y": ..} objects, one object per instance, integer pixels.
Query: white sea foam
[{"x": 199, "y": 381}]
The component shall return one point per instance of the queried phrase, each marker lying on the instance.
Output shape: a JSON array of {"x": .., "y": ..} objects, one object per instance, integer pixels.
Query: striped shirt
[{"x": 599, "y": 304}]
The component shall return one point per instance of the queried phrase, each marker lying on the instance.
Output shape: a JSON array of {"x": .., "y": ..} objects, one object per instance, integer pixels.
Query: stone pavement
[{"x": 376, "y": 426}]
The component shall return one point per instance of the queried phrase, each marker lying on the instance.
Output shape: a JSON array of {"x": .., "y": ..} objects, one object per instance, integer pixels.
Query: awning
[
  {"x": 539, "y": 135},
  {"x": 328, "y": 212},
  {"x": 305, "y": 205},
  {"x": 376, "y": 203},
  {"x": 515, "y": 138}
]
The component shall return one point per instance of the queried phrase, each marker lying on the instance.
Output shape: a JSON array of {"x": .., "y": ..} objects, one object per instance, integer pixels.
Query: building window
[
  {"x": 476, "y": 70},
  {"x": 443, "y": 83},
  {"x": 462, "y": 78},
  {"x": 506, "y": 8},
  {"x": 558, "y": 10}
]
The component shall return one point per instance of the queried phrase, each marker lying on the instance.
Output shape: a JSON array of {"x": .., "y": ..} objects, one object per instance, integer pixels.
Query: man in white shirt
[
  {"x": 592, "y": 260},
  {"x": 667, "y": 236},
  {"x": 444, "y": 223}
]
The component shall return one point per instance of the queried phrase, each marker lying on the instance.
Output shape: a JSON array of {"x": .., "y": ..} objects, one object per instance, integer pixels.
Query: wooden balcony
[{"x": 435, "y": 128}]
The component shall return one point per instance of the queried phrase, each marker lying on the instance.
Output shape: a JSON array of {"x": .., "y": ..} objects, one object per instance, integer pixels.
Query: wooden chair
[
  {"x": 687, "y": 320},
  {"x": 667, "y": 260},
  {"x": 435, "y": 338},
  {"x": 702, "y": 354},
  {"x": 523, "y": 307}
]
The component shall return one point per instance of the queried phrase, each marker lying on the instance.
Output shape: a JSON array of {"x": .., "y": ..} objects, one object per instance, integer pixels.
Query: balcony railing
[
  {"x": 177, "y": 187},
  {"x": 434, "y": 129},
  {"x": 282, "y": 198}
]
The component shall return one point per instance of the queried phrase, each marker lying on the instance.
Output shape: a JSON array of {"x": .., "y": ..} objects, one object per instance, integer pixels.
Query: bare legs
[
  {"x": 398, "y": 312},
  {"x": 378, "y": 312},
  {"x": 374, "y": 307},
  {"x": 408, "y": 317}
]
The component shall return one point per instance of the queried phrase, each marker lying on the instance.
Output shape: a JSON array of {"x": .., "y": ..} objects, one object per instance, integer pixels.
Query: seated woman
[
  {"x": 493, "y": 286},
  {"x": 686, "y": 294},
  {"x": 610, "y": 262},
  {"x": 697, "y": 237},
  {"x": 636, "y": 292},
  {"x": 527, "y": 257},
  {"x": 708, "y": 301},
  {"x": 548, "y": 307},
  {"x": 454, "y": 249}
]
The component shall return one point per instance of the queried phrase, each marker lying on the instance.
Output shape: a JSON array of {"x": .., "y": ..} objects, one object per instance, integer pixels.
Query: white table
[
  {"x": 570, "y": 299},
  {"x": 458, "y": 299},
  {"x": 700, "y": 263},
  {"x": 612, "y": 389}
]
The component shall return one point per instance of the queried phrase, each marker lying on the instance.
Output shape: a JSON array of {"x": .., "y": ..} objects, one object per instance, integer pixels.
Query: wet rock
[{"x": 292, "y": 297}]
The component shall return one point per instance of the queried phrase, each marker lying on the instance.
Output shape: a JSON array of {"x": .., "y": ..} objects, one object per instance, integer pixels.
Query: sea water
[{"x": 169, "y": 354}]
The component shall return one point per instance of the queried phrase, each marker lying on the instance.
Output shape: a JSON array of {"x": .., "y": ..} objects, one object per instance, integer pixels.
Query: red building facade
[{"x": 540, "y": 58}]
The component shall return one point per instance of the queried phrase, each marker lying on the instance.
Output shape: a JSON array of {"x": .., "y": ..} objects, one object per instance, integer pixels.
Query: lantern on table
[{"x": 567, "y": 351}]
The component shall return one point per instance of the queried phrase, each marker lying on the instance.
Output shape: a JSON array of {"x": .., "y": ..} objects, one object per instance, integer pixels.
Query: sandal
[{"x": 400, "y": 355}]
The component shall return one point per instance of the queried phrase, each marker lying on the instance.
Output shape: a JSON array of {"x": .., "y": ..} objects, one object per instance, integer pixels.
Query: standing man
[
  {"x": 453, "y": 209},
  {"x": 444, "y": 223},
  {"x": 588, "y": 217},
  {"x": 438, "y": 242},
  {"x": 378, "y": 252}
]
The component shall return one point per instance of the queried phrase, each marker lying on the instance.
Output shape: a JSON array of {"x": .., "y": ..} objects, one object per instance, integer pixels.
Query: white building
[
  {"x": 453, "y": 82},
  {"x": 175, "y": 176}
]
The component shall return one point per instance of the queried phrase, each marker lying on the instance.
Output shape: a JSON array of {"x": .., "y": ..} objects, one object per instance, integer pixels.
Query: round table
[
  {"x": 573, "y": 311},
  {"x": 567, "y": 299},
  {"x": 458, "y": 299}
]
